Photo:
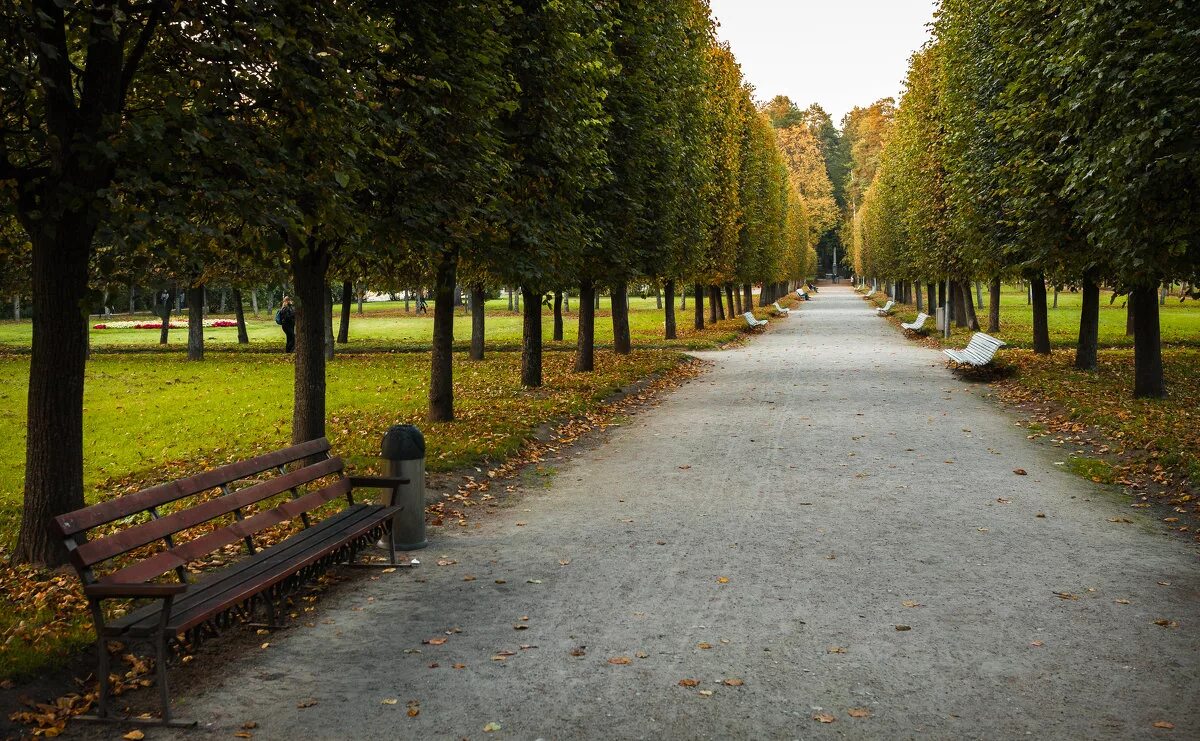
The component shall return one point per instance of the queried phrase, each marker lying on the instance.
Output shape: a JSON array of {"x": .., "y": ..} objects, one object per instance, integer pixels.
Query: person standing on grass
[{"x": 286, "y": 319}]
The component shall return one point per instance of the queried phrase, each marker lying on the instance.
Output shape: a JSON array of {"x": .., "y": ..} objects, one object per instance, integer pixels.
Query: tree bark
[
  {"x": 978, "y": 295},
  {"x": 478, "y": 300},
  {"x": 166, "y": 318},
  {"x": 669, "y": 310},
  {"x": 747, "y": 298},
  {"x": 531, "y": 339},
  {"x": 737, "y": 300},
  {"x": 1089, "y": 323},
  {"x": 969, "y": 304},
  {"x": 509, "y": 291},
  {"x": 54, "y": 420},
  {"x": 658, "y": 299},
  {"x": 1041, "y": 322},
  {"x": 622, "y": 342},
  {"x": 920, "y": 301},
  {"x": 585, "y": 353},
  {"x": 239, "y": 313},
  {"x": 729, "y": 298},
  {"x": 714, "y": 303},
  {"x": 683, "y": 299},
  {"x": 558, "y": 315},
  {"x": 1148, "y": 382},
  {"x": 698, "y": 305},
  {"x": 195, "y": 296},
  {"x": 931, "y": 298},
  {"x": 310, "y": 264},
  {"x": 441, "y": 367},
  {"x": 1129, "y": 316},
  {"x": 343, "y": 335},
  {"x": 960, "y": 304},
  {"x": 254, "y": 301},
  {"x": 994, "y": 305},
  {"x": 328, "y": 317}
]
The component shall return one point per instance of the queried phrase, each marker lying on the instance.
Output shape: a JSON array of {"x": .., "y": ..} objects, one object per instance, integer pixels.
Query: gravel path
[{"x": 777, "y": 521}]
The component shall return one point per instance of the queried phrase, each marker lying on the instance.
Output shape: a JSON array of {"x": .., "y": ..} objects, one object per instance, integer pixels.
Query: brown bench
[{"x": 138, "y": 544}]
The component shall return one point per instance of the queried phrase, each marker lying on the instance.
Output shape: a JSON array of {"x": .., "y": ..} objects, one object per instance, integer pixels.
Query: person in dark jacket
[{"x": 286, "y": 319}]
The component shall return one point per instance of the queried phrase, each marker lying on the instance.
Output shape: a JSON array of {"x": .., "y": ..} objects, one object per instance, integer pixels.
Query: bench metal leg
[{"x": 102, "y": 653}]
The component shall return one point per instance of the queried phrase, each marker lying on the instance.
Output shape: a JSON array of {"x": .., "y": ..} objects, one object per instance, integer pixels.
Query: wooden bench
[
  {"x": 885, "y": 309},
  {"x": 780, "y": 310},
  {"x": 979, "y": 351},
  {"x": 916, "y": 325},
  {"x": 123, "y": 548},
  {"x": 752, "y": 322},
  {"x": 869, "y": 293}
]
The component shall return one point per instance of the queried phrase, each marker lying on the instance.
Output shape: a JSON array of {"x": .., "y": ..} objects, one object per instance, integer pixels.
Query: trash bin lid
[{"x": 403, "y": 443}]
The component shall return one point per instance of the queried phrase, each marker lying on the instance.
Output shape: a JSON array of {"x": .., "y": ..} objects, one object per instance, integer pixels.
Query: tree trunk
[
  {"x": 622, "y": 342},
  {"x": 558, "y": 315},
  {"x": 729, "y": 298},
  {"x": 683, "y": 300},
  {"x": 254, "y": 301},
  {"x": 509, "y": 291},
  {"x": 920, "y": 301},
  {"x": 747, "y": 298},
  {"x": 310, "y": 264},
  {"x": 596, "y": 300},
  {"x": 441, "y": 368},
  {"x": 714, "y": 304},
  {"x": 166, "y": 318},
  {"x": 931, "y": 298},
  {"x": 1055, "y": 305},
  {"x": 54, "y": 418},
  {"x": 969, "y": 305},
  {"x": 1041, "y": 322},
  {"x": 195, "y": 296},
  {"x": 764, "y": 296},
  {"x": 478, "y": 300},
  {"x": 669, "y": 309},
  {"x": 517, "y": 299},
  {"x": 737, "y": 300},
  {"x": 658, "y": 299},
  {"x": 1148, "y": 382},
  {"x": 1129, "y": 318},
  {"x": 585, "y": 353},
  {"x": 698, "y": 305},
  {"x": 960, "y": 304},
  {"x": 531, "y": 339},
  {"x": 343, "y": 335},
  {"x": 978, "y": 295},
  {"x": 1162, "y": 296},
  {"x": 239, "y": 313},
  {"x": 994, "y": 305},
  {"x": 328, "y": 317},
  {"x": 1089, "y": 323},
  {"x": 362, "y": 294}
]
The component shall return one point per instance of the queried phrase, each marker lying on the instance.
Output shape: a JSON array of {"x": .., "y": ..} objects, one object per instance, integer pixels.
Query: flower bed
[{"x": 158, "y": 325}]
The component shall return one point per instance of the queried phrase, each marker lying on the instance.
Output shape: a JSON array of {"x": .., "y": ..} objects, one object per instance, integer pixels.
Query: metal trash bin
[{"x": 404, "y": 450}]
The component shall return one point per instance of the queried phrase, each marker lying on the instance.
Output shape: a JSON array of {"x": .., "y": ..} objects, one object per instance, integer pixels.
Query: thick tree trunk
[
  {"x": 585, "y": 353},
  {"x": 729, "y": 299},
  {"x": 343, "y": 335},
  {"x": 558, "y": 315},
  {"x": 328, "y": 316},
  {"x": 622, "y": 341},
  {"x": 920, "y": 301},
  {"x": 978, "y": 296},
  {"x": 1148, "y": 382},
  {"x": 658, "y": 299},
  {"x": 931, "y": 298},
  {"x": 669, "y": 309},
  {"x": 969, "y": 304},
  {"x": 54, "y": 420},
  {"x": 310, "y": 263},
  {"x": 994, "y": 305},
  {"x": 960, "y": 304},
  {"x": 1129, "y": 316},
  {"x": 698, "y": 305},
  {"x": 166, "y": 318},
  {"x": 254, "y": 301},
  {"x": 714, "y": 304},
  {"x": 1041, "y": 321},
  {"x": 441, "y": 367},
  {"x": 683, "y": 299},
  {"x": 1089, "y": 323},
  {"x": 195, "y": 322},
  {"x": 747, "y": 298},
  {"x": 531, "y": 339},
  {"x": 478, "y": 299},
  {"x": 224, "y": 304},
  {"x": 239, "y": 314},
  {"x": 737, "y": 300}
]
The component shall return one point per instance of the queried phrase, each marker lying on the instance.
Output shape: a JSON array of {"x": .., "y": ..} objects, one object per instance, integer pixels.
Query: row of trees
[
  {"x": 1048, "y": 140},
  {"x": 539, "y": 143}
]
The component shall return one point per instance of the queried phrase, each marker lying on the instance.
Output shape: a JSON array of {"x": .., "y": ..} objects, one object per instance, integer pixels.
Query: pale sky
[{"x": 839, "y": 53}]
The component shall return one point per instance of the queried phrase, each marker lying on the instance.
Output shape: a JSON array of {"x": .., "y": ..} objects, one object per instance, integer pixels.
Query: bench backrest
[
  {"x": 749, "y": 317},
  {"x": 889, "y": 305},
  {"x": 921, "y": 319},
  {"x": 310, "y": 463},
  {"x": 984, "y": 343}
]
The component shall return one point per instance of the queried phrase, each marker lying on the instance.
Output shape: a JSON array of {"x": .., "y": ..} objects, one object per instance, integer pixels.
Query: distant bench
[
  {"x": 885, "y": 309},
  {"x": 916, "y": 324},
  {"x": 753, "y": 323},
  {"x": 780, "y": 310},
  {"x": 980, "y": 351},
  {"x": 208, "y": 605}
]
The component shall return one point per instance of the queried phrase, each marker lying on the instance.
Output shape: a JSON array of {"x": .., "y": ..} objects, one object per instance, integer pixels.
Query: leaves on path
[
  {"x": 620, "y": 660},
  {"x": 836, "y": 650},
  {"x": 859, "y": 713},
  {"x": 308, "y": 703},
  {"x": 733, "y": 682},
  {"x": 689, "y": 682},
  {"x": 1020, "y": 472},
  {"x": 903, "y": 627},
  {"x": 823, "y": 717},
  {"x": 1168, "y": 725},
  {"x": 491, "y": 727}
]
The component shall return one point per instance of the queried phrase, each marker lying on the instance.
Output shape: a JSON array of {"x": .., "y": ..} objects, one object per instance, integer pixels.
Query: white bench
[
  {"x": 802, "y": 295},
  {"x": 780, "y": 310},
  {"x": 752, "y": 322},
  {"x": 886, "y": 308},
  {"x": 978, "y": 352},
  {"x": 869, "y": 293},
  {"x": 916, "y": 324}
]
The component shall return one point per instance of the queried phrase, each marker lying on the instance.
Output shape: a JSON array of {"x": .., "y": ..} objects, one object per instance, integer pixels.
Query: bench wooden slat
[
  {"x": 124, "y": 506},
  {"x": 180, "y": 555},
  {"x": 102, "y": 549}
]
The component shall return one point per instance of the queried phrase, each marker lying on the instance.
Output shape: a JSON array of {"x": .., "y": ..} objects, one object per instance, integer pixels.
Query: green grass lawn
[
  {"x": 1180, "y": 322},
  {"x": 385, "y": 325}
]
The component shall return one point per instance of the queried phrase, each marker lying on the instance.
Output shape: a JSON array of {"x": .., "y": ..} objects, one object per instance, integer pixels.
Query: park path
[{"x": 833, "y": 473}]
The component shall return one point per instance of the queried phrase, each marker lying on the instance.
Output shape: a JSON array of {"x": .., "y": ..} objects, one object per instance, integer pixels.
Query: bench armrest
[
  {"x": 109, "y": 591},
  {"x": 379, "y": 482}
]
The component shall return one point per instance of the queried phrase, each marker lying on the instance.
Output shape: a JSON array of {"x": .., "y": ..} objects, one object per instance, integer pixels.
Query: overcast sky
[{"x": 839, "y": 53}]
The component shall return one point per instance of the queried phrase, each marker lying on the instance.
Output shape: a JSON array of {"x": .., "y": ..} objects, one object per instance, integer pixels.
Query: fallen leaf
[
  {"x": 689, "y": 682},
  {"x": 520, "y": 626},
  {"x": 722, "y": 580},
  {"x": 522, "y": 524},
  {"x": 1041, "y": 514},
  {"x": 578, "y": 651},
  {"x": 836, "y": 650},
  {"x": 1003, "y": 500},
  {"x": 250, "y": 725},
  {"x": 703, "y": 645},
  {"x": 859, "y": 713},
  {"x": 823, "y": 718},
  {"x": 1020, "y": 471},
  {"x": 1121, "y": 601},
  {"x": 1166, "y": 623},
  {"x": 388, "y": 570},
  {"x": 911, "y": 603},
  {"x": 266, "y": 645},
  {"x": 389, "y": 701},
  {"x": 642, "y": 655},
  {"x": 434, "y": 641},
  {"x": 684, "y": 468},
  {"x": 1163, "y": 724},
  {"x": 243, "y": 734},
  {"x": 458, "y": 666},
  {"x": 306, "y": 703},
  {"x": 1066, "y": 595},
  {"x": 134, "y": 736},
  {"x": 491, "y": 727},
  {"x": 468, "y": 577},
  {"x": 733, "y": 682},
  {"x": 564, "y": 561},
  {"x": 903, "y": 627},
  {"x": 502, "y": 581},
  {"x": 620, "y": 660},
  {"x": 533, "y": 581},
  {"x": 705, "y": 693},
  {"x": 446, "y": 562},
  {"x": 1036, "y": 644},
  {"x": 414, "y": 708}
]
